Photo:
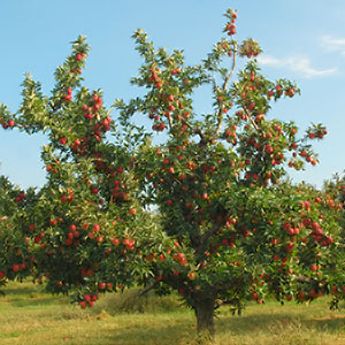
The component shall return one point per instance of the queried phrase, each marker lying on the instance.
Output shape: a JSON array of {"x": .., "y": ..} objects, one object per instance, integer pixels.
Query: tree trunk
[{"x": 204, "y": 311}]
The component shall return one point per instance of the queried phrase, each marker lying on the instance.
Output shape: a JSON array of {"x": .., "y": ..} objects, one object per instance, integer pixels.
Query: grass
[{"x": 28, "y": 316}]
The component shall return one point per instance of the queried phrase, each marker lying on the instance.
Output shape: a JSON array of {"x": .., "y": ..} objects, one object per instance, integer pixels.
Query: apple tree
[
  {"x": 219, "y": 180},
  {"x": 86, "y": 231},
  {"x": 232, "y": 226}
]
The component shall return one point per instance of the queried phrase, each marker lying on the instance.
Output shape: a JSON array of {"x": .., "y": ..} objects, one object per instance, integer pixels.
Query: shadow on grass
[
  {"x": 25, "y": 289},
  {"x": 22, "y": 290},
  {"x": 279, "y": 321},
  {"x": 181, "y": 334},
  {"x": 332, "y": 325},
  {"x": 37, "y": 301},
  {"x": 184, "y": 332}
]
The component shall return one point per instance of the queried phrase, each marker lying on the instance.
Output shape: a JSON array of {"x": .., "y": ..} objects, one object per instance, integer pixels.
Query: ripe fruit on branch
[
  {"x": 269, "y": 149},
  {"x": 159, "y": 127},
  {"x": 16, "y": 268},
  {"x": 94, "y": 190},
  {"x": 129, "y": 243},
  {"x": 259, "y": 118},
  {"x": 63, "y": 141},
  {"x": 20, "y": 197},
  {"x": 115, "y": 241},
  {"x": 68, "y": 97},
  {"x": 102, "y": 285},
  {"x": 204, "y": 196},
  {"x": 255, "y": 296},
  {"x": 72, "y": 227},
  {"x": 180, "y": 258},
  {"x": 169, "y": 202},
  {"x": 290, "y": 92},
  {"x": 171, "y": 170},
  {"x": 274, "y": 241},
  {"x": 314, "y": 267},
  {"x": 132, "y": 211},
  {"x": 11, "y": 123},
  {"x": 231, "y": 29},
  {"x": 176, "y": 71},
  {"x": 192, "y": 275},
  {"x": 80, "y": 57},
  {"x": 96, "y": 228}
]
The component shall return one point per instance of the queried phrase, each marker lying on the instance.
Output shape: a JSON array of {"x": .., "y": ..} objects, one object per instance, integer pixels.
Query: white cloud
[
  {"x": 270, "y": 61},
  {"x": 333, "y": 44},
  {"x": 298, "y": 64}
]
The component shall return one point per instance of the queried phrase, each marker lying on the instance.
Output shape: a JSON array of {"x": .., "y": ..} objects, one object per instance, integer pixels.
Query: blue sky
[{"x": 302, "y": 40}]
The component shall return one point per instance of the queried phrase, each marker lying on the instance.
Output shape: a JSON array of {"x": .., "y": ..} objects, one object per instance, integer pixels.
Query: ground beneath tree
[{"x": 28, "y": 316}]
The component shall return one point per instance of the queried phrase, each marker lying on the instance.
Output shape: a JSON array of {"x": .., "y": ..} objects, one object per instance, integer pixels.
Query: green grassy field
[{"x": 28, "y": 316}]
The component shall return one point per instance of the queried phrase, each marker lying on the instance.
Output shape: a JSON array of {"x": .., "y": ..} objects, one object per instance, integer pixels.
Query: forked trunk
[{"x": 204, "y": 311}]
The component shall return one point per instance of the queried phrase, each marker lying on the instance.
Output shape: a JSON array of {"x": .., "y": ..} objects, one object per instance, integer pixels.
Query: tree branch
[
  {"x": 251, "y": 119},
  {"x": 220, "y": 222},
  {"x": 197, "y": 131},
  {"x": 169, "y": 123},
  {"x": 147, "y": 289},
  {"x": 224, "y": 87}
]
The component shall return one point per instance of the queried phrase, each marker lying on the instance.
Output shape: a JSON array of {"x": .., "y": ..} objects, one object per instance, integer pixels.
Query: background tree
[
  {"x": 16, "y": 260},
  {"x": 334, "y": 201}
]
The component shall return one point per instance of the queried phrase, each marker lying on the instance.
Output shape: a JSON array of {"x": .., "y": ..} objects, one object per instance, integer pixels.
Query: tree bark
[{"x": 204, "y": 311}]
